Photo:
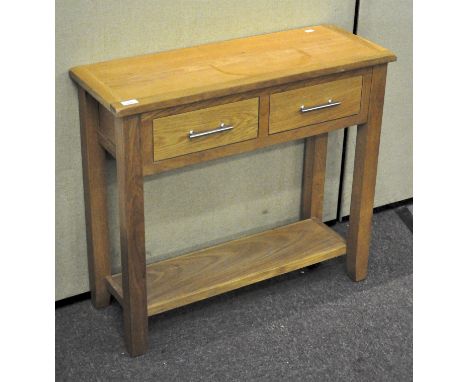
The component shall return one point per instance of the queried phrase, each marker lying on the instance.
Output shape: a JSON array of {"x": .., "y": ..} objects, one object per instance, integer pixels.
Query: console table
[{"x": 162, "y": 111}]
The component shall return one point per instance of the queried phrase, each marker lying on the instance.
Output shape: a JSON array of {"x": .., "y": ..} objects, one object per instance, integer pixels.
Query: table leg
[
  {"x": 132, "y": 233},
  {"x": 364, "y": 177},
  {"x": 94, "y": 185},
  {"x": 313, "y": 178}
]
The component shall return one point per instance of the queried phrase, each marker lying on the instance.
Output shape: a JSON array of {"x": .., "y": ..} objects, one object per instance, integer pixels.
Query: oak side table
[{"x": 162, "y": 111}]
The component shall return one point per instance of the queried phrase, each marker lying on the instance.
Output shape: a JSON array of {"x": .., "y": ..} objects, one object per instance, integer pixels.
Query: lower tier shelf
[{"x": 205, "y": 273}]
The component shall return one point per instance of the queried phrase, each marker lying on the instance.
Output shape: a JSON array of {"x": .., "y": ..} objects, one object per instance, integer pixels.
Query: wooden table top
[{"x": 207, "y": 71}]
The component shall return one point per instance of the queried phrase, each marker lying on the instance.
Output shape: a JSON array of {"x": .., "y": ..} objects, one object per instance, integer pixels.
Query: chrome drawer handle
[
  {"x": 330, "y": 103},
  {"x": 219, "y": 129}
]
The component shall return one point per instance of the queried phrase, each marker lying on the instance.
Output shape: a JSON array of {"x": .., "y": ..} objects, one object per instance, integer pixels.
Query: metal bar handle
[
  {"x": 219, "y": 129},
  {"x": 330, "y": 103}
]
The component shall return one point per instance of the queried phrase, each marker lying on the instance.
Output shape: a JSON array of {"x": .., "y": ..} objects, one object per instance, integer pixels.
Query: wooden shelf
[{"x": 182, "y": 280}]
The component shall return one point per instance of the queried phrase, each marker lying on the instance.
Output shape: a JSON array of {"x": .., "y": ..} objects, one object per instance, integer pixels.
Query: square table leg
[
  {"x": 132, "y": 233},
  {"x": 313, "y": 178},
  {"x": 94, "y": 185},
  {"x": 364, "y": 178}
]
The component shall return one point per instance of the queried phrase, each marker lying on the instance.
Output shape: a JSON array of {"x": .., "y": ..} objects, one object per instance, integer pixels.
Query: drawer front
[
  {"x": 204, "y": 129},
  {"x": 314, "y": 104}
]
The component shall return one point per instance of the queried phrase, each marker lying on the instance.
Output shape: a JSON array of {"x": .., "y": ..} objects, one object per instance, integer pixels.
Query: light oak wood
[
  {"x": 259, "y": 82},
  {"x": 106, "y": 130},
  {"x": 254, "y": 93},
  {"x": 170, "y": 134},
  {"x": 313, "y": 178},
  {"x": 202, "y": 274},
  {"x": 250, "y": 145},
  {"x": 263, "y": 116},
  {"x": 132, "y": 233},
  {"x": 94, "y": 187},
  {"x": 364, "y": 178},
  {"x": 107, "y": 121},
  {"x": 151, "y": 167},
  {"x": 193, "y": 74},
  {"x": 285, "y": 107}
]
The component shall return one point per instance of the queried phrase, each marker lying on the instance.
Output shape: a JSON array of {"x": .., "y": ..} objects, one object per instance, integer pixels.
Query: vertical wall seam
[{"x": 339, "y": 206}]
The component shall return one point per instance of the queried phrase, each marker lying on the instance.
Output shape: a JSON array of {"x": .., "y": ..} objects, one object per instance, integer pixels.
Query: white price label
[{"x": 129, "y": 102}]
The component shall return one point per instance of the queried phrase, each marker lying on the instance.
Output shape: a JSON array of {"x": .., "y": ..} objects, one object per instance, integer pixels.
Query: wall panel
[
  {"x": 389, "y": 23},
  {"x": 203, "y": 204}
]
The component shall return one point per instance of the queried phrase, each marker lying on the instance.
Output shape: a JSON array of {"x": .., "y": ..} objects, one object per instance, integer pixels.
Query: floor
[{"x": 309, "y": 325}]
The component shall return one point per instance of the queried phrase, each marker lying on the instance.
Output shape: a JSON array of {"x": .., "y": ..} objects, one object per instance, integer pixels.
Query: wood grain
[
  {"x": 198, "y": 73},
  {"x": 313, "y": 178},
  {"x": 256, "y": 84},
  {"x": 106, "y": 130},
  {"x": 150, "y": 167},
  {"x": 202, "y": 274},
  {"x": 250, "y": 145},
  {"x": 263, "y": 115},
  {"x": 285, "y": 106},
  {"x": 170, "y": 134},
  {"x": 364, "y": 178},
  {"x": 94, "y": 187},
  {"x": 254, "y": 93},
  {"x": 132, "y": 233}
]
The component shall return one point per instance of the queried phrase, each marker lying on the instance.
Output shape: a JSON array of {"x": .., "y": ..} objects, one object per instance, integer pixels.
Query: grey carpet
[{"x": 309, "y": 325}]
